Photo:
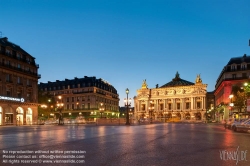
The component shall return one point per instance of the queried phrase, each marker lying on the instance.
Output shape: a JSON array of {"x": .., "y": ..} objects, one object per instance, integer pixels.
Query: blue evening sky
[{"x": 126, "y": 41}]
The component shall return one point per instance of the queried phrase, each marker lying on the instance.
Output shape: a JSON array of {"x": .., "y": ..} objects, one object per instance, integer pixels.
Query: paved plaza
[{"x": 172, "y": 144}]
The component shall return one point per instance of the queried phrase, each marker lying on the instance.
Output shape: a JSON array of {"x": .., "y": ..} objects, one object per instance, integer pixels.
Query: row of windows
[
  {"x": 19, "y": 94},
  {"x": 244, "y": 75},
  {"x": 72, "y": 86},
  {"x": 18, "y": 66},
  {"x": 83, "y": 91},
  {"x": 17, "y": 55},
  {"x": 241, "y": 67},
  {"x": 88, "y": 98},
  {"x": 170, "y": 106},
  {"x": 88, "y": 106},
  {"x": 19, "y": 80}
]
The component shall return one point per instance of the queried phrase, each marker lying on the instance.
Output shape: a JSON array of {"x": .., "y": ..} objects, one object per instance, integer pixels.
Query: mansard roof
[
  {"x": 239, "y": 60},
  {"x": 6, "y": 43},
  {"x": 177, "y": 81},
  {"x": 83, "y": 82}
]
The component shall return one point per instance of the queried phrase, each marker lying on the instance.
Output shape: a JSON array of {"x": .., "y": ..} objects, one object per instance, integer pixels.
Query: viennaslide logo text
[{"x": 236, "y": 155}]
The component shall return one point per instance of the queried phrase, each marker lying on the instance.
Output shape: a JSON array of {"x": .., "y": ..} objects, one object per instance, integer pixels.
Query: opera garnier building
[{"x": 177, "y": 100}]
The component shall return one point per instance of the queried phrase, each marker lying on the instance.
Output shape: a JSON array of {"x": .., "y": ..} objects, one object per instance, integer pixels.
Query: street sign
[{"x": 248, "y": 105}]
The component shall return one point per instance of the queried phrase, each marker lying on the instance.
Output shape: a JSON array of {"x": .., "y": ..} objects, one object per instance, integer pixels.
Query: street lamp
[
  {"x": 231, "y": 104},
  {"x": 127, "y": 104},
  {"x": 151, "y": 108},
  {"x": 101, "y": 109},
  {"x": 60, "y": 107}
]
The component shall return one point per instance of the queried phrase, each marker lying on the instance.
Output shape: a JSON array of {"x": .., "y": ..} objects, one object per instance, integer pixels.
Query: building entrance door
[
  {"x": 8, "y": 120},
  {"x": 29, "y": 116},
  {"x": 19, "y": 116},
  {"x": 19, "y": 119}
]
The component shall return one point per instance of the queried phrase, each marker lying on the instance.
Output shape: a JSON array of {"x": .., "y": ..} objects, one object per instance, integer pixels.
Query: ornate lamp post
[
  {"x": 151, "y": 109},
  {"x": 127, "y": 104},
  {"x": 60, "y": 107},
  {"x": 101, "y": 109}
]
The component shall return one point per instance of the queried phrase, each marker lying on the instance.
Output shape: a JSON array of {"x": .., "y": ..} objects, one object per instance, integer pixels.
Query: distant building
[
  {"x": 236, "y": 72},
  {"x": 123, "y": 112},
  {"x": 177, "y": 100},
  {"x": 84, "y": 97},
  {"x": 210, "y": 103},
  {"x": 18, "y": 85}
]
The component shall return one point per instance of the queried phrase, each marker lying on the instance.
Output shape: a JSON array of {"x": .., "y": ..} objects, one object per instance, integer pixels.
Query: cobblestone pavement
[{"x": 173, "y": 144}]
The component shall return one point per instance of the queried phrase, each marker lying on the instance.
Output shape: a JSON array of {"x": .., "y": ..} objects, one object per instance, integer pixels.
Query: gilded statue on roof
[
  {"x": 198, "y": 79},
  {"x": 144, "y": 84}
]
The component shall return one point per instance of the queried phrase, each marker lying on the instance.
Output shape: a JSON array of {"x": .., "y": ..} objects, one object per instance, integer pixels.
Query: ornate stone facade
[{"x": 178, "y": 100}]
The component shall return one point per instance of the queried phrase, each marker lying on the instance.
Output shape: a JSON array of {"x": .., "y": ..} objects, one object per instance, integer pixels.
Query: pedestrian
[{"x": 225, "y": 124}]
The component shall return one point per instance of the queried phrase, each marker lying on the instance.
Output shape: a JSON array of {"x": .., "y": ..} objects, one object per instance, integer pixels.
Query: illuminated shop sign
[{"x": 12, "y": 98}]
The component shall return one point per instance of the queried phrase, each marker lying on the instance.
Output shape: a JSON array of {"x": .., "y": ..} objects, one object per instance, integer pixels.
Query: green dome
[{"x": 177, "y": 81}]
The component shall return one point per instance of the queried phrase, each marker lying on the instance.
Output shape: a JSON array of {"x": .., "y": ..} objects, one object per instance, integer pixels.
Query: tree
[
  {"x": 239, "y": 98},
  {"x": 44, "y": 98}
]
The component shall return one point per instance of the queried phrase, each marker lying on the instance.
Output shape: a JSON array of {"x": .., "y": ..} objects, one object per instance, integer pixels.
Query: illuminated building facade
[
  {"x": 177, "y": 100},
  {"x": 87, "y": 97},
  {"x": 235, "y": 73},
  {"x": 18, "y": 85}
]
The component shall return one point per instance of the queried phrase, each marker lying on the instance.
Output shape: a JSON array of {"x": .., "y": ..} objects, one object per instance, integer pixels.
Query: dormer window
[
  {"x": 233, "y": 67},
  {"x": 8, "y": 52},
  {"x": 243, "y": 66}
]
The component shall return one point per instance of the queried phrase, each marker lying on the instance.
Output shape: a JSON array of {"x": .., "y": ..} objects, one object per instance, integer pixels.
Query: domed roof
[{"x": 177, "y": 81}]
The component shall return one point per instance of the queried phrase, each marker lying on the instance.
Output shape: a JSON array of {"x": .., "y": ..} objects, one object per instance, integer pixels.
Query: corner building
[
  {"x": 18, "y": 85},
  {"x": 83, "y": 97},
  {"x": 177, "y": 100},
  {"x": 235, "y": 73}
]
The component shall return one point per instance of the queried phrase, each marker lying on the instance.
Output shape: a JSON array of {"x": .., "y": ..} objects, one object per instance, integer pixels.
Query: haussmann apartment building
[
  {"x": 86, "y": 97},
  {"x": 18, "y": 85}
]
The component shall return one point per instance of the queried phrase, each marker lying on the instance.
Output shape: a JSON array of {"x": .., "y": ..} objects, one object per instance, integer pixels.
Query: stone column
[
  {"x": 156, "y": 105},
  {"x": 204, "y": 101},
  {"x": 174, "y": 104},
  {"x": 164, "y": 104},
  {"x": 183, "y": 104},
  {"x": 192, "y": 103},
  {"x": 24, "y": 115}
]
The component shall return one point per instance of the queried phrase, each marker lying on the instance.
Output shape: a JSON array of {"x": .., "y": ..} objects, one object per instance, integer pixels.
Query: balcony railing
[
  {"x": 19, "y": 58},
  {"x": 19, "y": 69}
]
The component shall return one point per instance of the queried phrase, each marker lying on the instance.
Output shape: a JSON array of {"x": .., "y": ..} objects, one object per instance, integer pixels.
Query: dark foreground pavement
[{"x": 170, "y": 144}]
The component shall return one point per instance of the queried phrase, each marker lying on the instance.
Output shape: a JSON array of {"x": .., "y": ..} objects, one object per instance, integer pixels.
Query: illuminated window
[
  {"x": 143, "y": 107},
  {"x": 198, "y": 105}
]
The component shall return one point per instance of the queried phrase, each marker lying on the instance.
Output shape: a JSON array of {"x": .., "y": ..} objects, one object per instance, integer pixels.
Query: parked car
[
  {"x": 236, "y": 122},
  {"x": 229, "y": 123},
  {"x": 243, "y": 126}
]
